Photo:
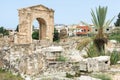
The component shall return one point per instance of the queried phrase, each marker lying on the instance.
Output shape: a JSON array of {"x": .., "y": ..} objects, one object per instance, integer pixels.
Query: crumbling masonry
[{"x": 45, "y": 18}]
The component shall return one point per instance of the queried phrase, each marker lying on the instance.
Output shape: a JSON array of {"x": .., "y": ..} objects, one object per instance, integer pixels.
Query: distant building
[
  {"x": 106, "y": 30},
  {"x": 72, "y": 30},
  {"x": 60, "y": 27},
  {"x": 82, "y": 30}
]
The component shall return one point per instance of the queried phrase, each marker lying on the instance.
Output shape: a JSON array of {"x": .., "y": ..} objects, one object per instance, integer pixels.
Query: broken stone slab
[
  {"x": 54, "y": 49},
  {"x": 118, "y": 62},
  {"x": 103, "y": 63},
  {"x": 113, "y": 41},
  {"x": 100, "y": 63},
  {"x": 102, "y": 58},
  {"x": 92, "y": 64},
  {"x": 87, "y": 78}
]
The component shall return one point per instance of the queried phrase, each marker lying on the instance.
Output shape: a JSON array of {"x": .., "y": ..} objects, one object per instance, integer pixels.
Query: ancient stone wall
[{"x": 23, "y": 59}]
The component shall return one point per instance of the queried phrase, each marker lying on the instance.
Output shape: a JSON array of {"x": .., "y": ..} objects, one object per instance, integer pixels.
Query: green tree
[
  {"x": 17, "y": 29},
  {"x": 117, "y": 23},
  {"x": 4, "y": 31},
  {"x": 1, "y": 30},
  {"x": 35, "y": 35},
  {"x": 63, "y": 33},
  {"x": 99, "y": 21},
  {"x": 56, "y": 35}
]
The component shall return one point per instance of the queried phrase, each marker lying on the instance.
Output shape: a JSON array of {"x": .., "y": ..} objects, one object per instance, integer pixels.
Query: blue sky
[{"x": 66, "y": 11}]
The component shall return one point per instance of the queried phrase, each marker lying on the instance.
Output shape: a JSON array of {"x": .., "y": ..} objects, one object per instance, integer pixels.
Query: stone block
[
  {"x": 92, "y": 64},
  {"x": 83, "y": 65},
  {"x": 103, "y": 63}
]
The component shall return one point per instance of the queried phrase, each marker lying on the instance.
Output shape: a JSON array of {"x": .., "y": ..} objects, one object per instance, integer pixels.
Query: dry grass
[{"x": 83, "y": 43}]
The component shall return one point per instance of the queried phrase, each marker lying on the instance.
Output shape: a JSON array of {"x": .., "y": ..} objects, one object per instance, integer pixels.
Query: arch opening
[{"x": 39, "y": 29}]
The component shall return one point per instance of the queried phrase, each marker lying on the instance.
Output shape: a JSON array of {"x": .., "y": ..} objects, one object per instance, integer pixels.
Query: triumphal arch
[{"x": 45, "y": 18}]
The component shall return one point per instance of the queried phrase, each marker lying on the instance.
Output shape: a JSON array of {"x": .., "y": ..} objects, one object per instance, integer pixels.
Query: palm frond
[
  {"x": 108, "y": 22},
  {"x": 99, "y": 17},
  {"x": 94, "y": 19},
  {"x": 86, "y": 24}
]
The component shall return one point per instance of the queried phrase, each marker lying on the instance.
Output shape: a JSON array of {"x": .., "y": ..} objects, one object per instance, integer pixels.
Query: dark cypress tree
[{"x": 117, "y": 23}]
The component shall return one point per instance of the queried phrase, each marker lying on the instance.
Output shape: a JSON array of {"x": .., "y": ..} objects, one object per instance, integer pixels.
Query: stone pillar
[{"x": 50, "y": 27}]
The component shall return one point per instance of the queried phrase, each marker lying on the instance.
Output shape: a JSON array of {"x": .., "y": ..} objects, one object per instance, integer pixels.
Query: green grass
[
  {"x": 4, "y": 75},
  {"x": 115, "y": 36},
  {"x": 68, "y": 75},
  {"x": 61, "y": 58},
  {"x": 114, "y": 57},
  {"x": 77, "y": 74},
  {"x": 92, "y": 51},
  {"x": 102, "y": 76}
]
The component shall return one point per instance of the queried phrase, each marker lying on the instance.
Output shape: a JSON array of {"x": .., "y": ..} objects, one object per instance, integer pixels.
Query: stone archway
[
  {"x": 42, "y": 28},
  {"x": 44, "y": 16}
]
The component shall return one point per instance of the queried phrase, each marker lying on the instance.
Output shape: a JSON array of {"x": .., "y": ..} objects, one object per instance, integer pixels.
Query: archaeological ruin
[
  {"x": 45, "y": 18},
  {"x": 71, "y": 58}
]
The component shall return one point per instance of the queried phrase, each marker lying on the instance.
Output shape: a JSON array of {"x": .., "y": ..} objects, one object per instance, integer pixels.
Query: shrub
[
  {"x": 114, "y": 57},
  {"x": 2, "y": 70},
  {"x": 92, "y": 51},
  {"x": 68, "y": 75},
  {"x": 115, "y": 33},
  {"x": 61, "y": 58},
  {"x": 77, "y": 74},
  {"x": 115, "y": 36}
]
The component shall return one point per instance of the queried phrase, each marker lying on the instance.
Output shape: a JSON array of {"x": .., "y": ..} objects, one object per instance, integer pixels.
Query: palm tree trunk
[
  {"x": 100, "y": 40},
  {"x": 100, "y": 34}
]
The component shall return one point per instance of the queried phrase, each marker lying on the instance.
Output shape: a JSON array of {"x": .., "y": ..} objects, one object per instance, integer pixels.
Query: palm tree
[{"x": 99, "y": 21}]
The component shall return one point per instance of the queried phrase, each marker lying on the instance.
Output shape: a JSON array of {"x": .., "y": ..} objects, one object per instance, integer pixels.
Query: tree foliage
[
  {"x": 56, "y": 35},
  {"x": 4, "y": 31},
  {"x": 17, "y": 29},
  {"x": 99, "y": 21},
  {"x": 117, "y": 23},
  {"x": 35, "y": 35},
  {"x": 115, "y": 34}
]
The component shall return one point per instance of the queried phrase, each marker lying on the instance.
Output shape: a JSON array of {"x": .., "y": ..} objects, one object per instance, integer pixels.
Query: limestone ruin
[
  {"x": 45, "y": 18},
  {"x": 41, "y": 60}
]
